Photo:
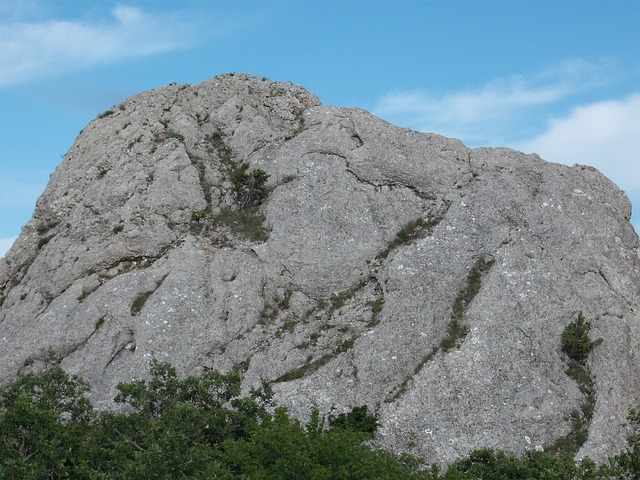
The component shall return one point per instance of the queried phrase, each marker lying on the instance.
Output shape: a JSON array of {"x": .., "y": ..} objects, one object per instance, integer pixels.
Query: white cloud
[
  {"x": 39, "y": 49},
  {"x": 126, "y": 14},
  {"x": 491, "y": 112},
  {"x": 5, "y": 245},
  {"x": 605, "y": 135}
]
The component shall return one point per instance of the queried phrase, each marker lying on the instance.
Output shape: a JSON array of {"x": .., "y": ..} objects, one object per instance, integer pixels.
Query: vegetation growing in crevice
[
  {"x": 86, "y": 291},
  {"x": 297, "y": 130},
  {"x": 142, "y": 297},
  {"x": 272, "y": 309},
  {"x": 376, "y": 308},
  {"x": 167, "y": 134},
  {"x": 412, "y": 231},
  {"x": 43, "y": 228},
  {"x": 249, "y": 188},
  {"x": 99, "y": 323},
  {"x": 44, "y": 240},
  {"x": 343, "y": 337},
  {"x": 338, "y": 299},
  {"x": 577, "y": 344},
  {"x": 106, "y": 113},
  {"x": 456, "y": 330},
  {"x": 199, "y": 164},
  {"x": 248, "y": 224},
  {"x": 311, "y": 365},
  {"x": 401, "y": 389},
  {"x": 218, "y": 146},
  {"x": 307, "y": 368},
  {"x": 139, "y": 301}
]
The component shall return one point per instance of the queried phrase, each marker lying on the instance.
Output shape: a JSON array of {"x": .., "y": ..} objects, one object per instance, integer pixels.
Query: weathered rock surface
[{"x": 127, "y": 257}]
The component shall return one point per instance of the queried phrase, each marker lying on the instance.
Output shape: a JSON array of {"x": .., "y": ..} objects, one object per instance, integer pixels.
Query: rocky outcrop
[{"x": 386, "y": 267}]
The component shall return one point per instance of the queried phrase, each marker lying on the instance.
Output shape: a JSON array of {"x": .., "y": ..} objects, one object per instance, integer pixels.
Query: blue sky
[{"x": 555, "y": 77}]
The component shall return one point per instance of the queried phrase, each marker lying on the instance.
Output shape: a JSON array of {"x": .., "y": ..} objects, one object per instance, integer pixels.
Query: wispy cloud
[
  {"x": 491, "y": 112},
  {"x": 5, "y": 245},
  {"x": 504, "y": 112},
  {"x": 31, "y": 50},
  {"x": 604, "y": 134}
]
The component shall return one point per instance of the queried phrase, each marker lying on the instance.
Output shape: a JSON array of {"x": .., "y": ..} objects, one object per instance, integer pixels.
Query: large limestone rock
[{"x": 132, "y": 253}]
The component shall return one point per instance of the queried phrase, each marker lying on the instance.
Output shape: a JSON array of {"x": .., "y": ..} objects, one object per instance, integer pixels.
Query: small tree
[
  {"x": 627, "y": 463},
  {"x": 249, "y": 188},
  {"x": 575, "y": 340},
  {"x": 357, "y": 420},
  {"x": 43, "y": 421},
  {"x": 164, "y": 390}
]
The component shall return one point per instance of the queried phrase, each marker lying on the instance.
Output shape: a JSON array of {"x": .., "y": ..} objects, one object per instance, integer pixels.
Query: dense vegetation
[{"x": 200, "y": 427}]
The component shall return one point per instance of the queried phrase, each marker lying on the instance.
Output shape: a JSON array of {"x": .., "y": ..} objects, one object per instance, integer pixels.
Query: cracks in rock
[
  {"x": 373, "y": 183},
  {"x": 599, "y": 273},
  {"x": 70, "y": 350},
  {"x": 378, "y": 184},
  {"x": 414, "y": 230},
  {"x": 97, "y": 327},
  {"x": 354, "y": 132},
  {"x": 335, "y": 334},
  {"x": 525, "y": 335},
  {"x": 606, "y": 280},
  {"x": 402, "y": 388},
  {"x": 297, "y": 130},
  {"x": 456, "y": 330},
  {"x": 142, "y": 297},
  {"x": 326, "y": 151},
  {"x": 128, "y": 344},
  {"x": 574, "y": 338}
]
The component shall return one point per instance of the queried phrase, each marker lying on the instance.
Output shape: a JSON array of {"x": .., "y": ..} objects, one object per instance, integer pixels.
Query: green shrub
[
  {"x": 409, "y": 232},
  {"x": 249, "y": 188},
  {"x": 201, "y": 427},
  {"x": 44, "y": 227},
  {"x": 44, "y": 240},
  {"x": 575, "y": 339},
  {"x": 577, "y": 345},
  {"x": 357, "y": 420},
  {"x": 106, "y": 113}
]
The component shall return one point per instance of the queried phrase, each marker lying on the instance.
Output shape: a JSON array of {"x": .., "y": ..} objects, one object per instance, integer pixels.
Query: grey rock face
[{"x": 135, "y": 251}]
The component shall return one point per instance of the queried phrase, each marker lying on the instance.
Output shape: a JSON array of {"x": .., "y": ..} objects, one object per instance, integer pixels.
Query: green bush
[
  {"x": 249, "y": 188},
  {"x": 575, "y": 339},
  {"x": 171, "y": 427},
  {"x": 200, "y": 427},
  {"x": 358, "y": 420}
]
